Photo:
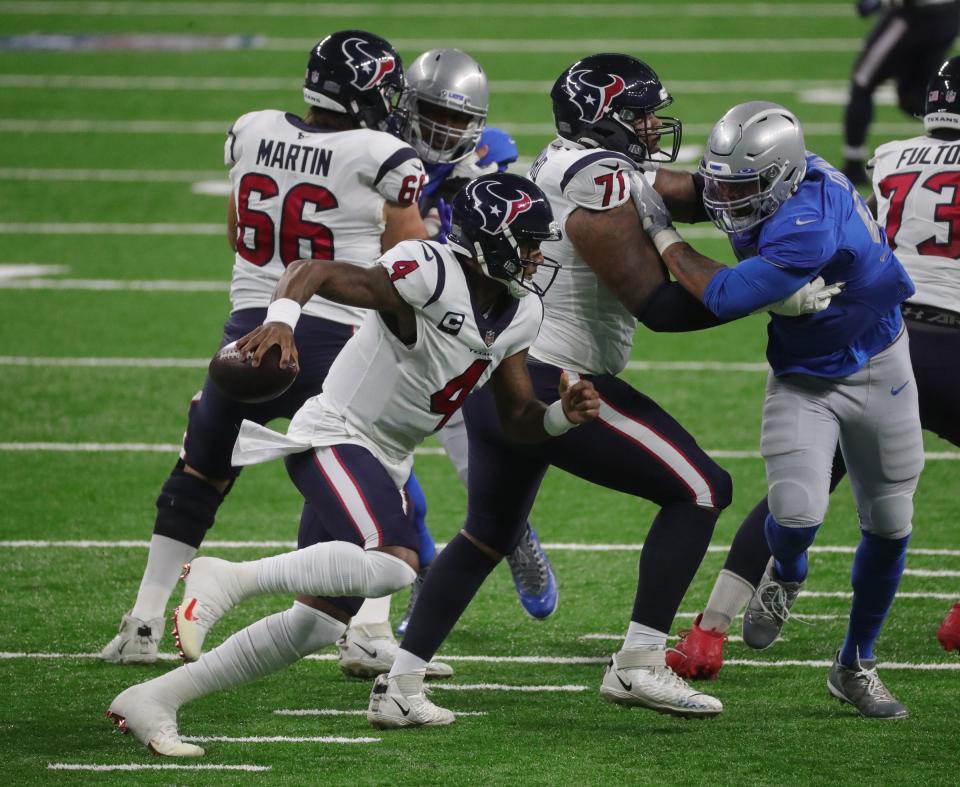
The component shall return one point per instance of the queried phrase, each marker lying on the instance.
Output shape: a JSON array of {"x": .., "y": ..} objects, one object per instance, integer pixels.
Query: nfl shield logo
[
  {"x": 951, "y": 96},
  {"x": 489, "y": 337}
]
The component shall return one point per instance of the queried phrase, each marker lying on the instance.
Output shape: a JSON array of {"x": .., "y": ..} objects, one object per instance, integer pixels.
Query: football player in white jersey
[
  {"x": 916, "y": 185},
  {"x": 443, "y": 320},
  {"x": 332, "y": 184}
]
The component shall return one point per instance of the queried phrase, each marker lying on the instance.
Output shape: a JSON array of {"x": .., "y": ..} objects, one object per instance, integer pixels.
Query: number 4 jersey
[
  {"x": 388, "y": 396},
  {"x": 306, "y": 193},
  {"x": 917, "y": 183}
]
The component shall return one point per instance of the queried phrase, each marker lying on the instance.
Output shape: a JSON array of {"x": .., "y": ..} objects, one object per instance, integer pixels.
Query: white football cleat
[
  {"x": 212, "y": 588},
  {"x": 141, "y": 712},
  {"x": 369, "y": 649},
  {"x": 401, "y": 702},
  {"x": 137, "y": 641},
  {"x": 640, "y": 677}
]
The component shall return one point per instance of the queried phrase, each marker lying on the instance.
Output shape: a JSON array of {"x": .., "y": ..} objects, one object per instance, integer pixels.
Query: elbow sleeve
[{"x": 671, "y": 309}]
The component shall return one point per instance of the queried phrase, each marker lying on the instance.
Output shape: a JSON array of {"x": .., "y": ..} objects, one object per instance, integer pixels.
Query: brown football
[{"x": 240, "y": 380}]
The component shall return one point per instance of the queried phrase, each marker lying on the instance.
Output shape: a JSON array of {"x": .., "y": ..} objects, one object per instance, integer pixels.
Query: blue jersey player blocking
[{"x": 840, "y": 375}]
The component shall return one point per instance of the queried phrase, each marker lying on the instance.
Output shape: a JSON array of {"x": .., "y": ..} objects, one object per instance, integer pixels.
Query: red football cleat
[
  {"x": 949, "y": 632},
  {"x": 699, "y": 654}
]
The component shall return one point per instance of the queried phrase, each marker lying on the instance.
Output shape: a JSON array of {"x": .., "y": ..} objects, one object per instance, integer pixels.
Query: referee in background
[{"x": 909, "y": 42}]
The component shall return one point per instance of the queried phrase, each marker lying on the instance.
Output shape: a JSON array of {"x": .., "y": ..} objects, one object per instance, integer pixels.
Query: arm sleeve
[
  {"x": 754, "y": 283},
  {"x": 671, "y": 309},
  {"x": 416, "y": 271}
]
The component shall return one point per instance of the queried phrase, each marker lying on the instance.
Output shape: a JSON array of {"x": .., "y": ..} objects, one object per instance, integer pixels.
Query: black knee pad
[{"x": 186, "y": 508}]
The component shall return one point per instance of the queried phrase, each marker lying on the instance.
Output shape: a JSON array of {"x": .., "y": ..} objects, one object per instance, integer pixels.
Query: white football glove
[
  {"x": 649, "y": 205},
  {"x": 811, "y": 298},
  {"x": 470, "y": 168}
]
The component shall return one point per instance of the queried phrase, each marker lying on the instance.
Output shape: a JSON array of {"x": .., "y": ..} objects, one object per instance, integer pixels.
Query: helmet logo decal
[
  {"x": 368, "y": 70},
  {"x": 592, "y": 100},
  {"x": 500, "y": 211}
]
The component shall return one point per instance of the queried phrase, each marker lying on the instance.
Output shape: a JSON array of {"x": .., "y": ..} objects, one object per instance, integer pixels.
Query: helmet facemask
[
  {"x": 738, "y": 202},
  {"x": 646, "y": 138},
  {"x": 423, "y": 126}
]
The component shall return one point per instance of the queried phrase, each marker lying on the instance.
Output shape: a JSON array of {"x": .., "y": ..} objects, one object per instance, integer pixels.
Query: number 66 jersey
[
  {"x": 388, "y": 396},
  {"x": 917, "y": 183},
  {"x": 303, "y": 192}
]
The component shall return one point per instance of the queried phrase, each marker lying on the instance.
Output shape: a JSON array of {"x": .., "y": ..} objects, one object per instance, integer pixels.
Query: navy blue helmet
[
  {"x": 610, "y": 101},
  {"x": 941, "y": 108},
  {"x": 492, "y": 217},
  {"x": 357, "y": 73}
]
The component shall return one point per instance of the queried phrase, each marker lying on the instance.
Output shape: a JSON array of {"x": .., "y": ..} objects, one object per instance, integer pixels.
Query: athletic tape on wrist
[
  {"x": 665, "y": 238},
  {"x": 555, "y": 421},
  {"x": 285, "y": 310}
]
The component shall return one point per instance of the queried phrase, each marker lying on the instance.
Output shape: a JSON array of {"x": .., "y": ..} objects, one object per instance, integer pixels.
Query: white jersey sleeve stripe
[
  {"x": 586, "y": 161},
  {"x": 395, "y": 160},
  {"x": 661, "y": 449},
  {"x": 351, "y": 497}
]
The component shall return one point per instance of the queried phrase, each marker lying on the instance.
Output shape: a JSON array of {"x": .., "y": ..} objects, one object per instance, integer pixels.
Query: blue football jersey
[{"x": 825, "y": 229}]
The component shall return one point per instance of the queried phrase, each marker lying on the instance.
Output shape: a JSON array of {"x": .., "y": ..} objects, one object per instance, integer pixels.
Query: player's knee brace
[
  {"x": 890, "y": 517},
  {"x": 794, "y": 503},
  {"x": 186, "y": 508},
  {"x": 309, "y": 629}
]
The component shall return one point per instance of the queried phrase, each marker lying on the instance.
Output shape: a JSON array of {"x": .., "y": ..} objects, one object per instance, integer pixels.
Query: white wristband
[
  {"x": 665, "y": 238},
  {"x": 555, "y": 422},
  {"x": 285, "y": 310}
]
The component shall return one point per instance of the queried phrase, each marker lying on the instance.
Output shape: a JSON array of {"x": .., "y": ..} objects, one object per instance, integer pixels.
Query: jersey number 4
[
  {"x": 451, "y": 397},
  {"x": 897, "y": 188},
  {"x": 297, "y": 237}
]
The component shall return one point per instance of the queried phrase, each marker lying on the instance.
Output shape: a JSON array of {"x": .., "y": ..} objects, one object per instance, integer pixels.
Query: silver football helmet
[
  {"x": 444, "y": 106},
  {"x": 754, "y": 161}
]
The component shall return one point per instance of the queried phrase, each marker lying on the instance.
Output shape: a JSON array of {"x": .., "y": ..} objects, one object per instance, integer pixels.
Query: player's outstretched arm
[
  {"x": 343, "y": 282},
  {"x": 524, "y": 418}
]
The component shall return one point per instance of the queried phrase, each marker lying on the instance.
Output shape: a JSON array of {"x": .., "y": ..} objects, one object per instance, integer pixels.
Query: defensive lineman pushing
[{"x": 441, "y": 324}]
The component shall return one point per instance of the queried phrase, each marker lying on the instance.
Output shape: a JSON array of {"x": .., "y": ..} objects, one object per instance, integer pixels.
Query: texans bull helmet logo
[
  {"x": 593, "y": 100},
  {"x": 368, "y": 69},
  {"x": 497, "y": 211}
]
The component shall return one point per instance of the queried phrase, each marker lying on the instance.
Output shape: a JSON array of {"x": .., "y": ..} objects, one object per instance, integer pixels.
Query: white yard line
[
  {"x": 277, "y": 739},
  {"x": 197, "y": 82},
  {"x": 96, "y": 228},
  {"x": 550, "y": 546},
  {"x": 138, "y": 766},
  {"x": 363, "y": 712},
  {"x": 900, "y": 595},
  {"x": 95, "y": 126},
  {"x": 429, "y": 10},
  {"x": 922, "y": 572},
  {"x": 108, "y": 175},
  {"x": 671, "y": 638},
  {"x": 567, "y": 687},
  {"x": 113, "y": 285}
]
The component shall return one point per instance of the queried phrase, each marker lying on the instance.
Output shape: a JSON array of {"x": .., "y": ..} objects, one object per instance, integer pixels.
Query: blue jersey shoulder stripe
[
  {"x": 586, "y": 161},
  {"x": 441, "y": 273},
  {"x": 394, "y": 161}
]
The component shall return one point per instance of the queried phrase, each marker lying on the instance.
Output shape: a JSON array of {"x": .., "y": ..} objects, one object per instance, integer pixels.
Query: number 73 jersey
[
  {"x": 388, "y": 396},
  {"x": 308, "y": 193},
  {"x": 917, "y": 185}
]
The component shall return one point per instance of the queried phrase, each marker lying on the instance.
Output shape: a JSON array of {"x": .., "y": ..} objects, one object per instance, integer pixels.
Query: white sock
[
  {"x": 262, "y": 648},
  {"x": 374, "y": 610},
  {"x": 640, "y": 636},
  {"x": 730, "y": 594},
  {"x": 164, "y": 566},
  {"x": 333, "y": 568},
  {"x": 407, "y": 664}
]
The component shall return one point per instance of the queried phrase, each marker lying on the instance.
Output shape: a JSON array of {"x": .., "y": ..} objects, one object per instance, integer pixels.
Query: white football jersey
[
  {"x": 917, "y": 185},
  {"x": 388, "y": 396},
  {"x": 303, "y": 193},
  {"x": 585, "y": 328}
]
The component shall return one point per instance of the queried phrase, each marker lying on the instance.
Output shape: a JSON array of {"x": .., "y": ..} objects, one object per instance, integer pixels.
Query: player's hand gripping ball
[{"x": 234, "y": 373}]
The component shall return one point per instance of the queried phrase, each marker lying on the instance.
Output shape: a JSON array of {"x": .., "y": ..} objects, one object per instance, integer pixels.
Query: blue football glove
[
  {"x": 445, "y": 212},
  {"x": 501, "y": 148}
]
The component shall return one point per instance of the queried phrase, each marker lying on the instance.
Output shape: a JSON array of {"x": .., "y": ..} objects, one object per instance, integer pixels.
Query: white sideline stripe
[
  {"x": 816, "y": 88},
  {"x": 335, "y": 712},
  {"x": 93, "y": 126},
  {"x": 388, "y": 10},
  {"x": 507, "y": 687},
  {"x": 113, "y": 285},
  {"x": 107, "y": 175},
  {"x": 553, "y": 547},
  {"x": 276, "y": 739},
  {"x": 90, "y": 228},
  {"x": 922, "y": 572},
  {"x": 138, "y": 766}
]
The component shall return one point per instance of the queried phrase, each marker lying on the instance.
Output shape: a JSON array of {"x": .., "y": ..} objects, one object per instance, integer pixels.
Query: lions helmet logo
[
  {"x": 593, "y": 100},
  {"x": 498, "y": 211},
  {"x": 368, "y": 70}
]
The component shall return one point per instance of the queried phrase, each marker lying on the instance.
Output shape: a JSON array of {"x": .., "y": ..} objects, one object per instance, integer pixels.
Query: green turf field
[{"x": 100, "y": 155}]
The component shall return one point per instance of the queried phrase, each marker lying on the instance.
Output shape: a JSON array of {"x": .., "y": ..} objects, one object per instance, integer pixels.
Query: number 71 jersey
[
  {"x": 917, "y": 185},
  {"x": 391, "y": 395},
  {"x": 308, "y": 193}
]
